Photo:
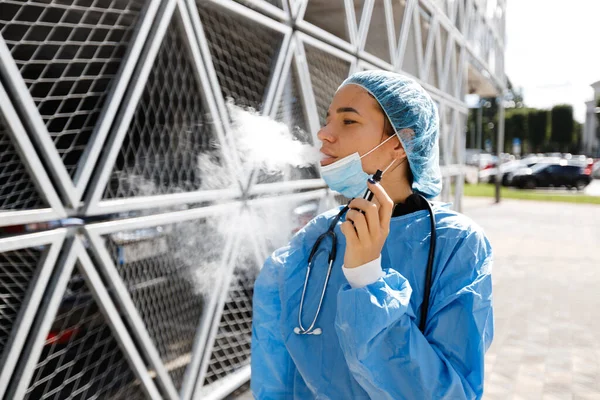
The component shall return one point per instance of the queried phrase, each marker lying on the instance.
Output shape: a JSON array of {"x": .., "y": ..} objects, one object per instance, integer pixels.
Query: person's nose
[{"x": 326, "y": 134}]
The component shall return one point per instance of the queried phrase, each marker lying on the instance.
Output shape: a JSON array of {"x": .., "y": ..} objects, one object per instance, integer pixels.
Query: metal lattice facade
[{"x": 105, "y": 106}]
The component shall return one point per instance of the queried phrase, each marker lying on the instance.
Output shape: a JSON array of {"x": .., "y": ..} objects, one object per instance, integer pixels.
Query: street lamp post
[
  {"x": 486, "y": 104},
  {"x": 500, "y": 146}
]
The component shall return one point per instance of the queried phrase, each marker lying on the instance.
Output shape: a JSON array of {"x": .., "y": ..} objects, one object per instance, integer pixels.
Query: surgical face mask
[{"x": 346, "y": 176}]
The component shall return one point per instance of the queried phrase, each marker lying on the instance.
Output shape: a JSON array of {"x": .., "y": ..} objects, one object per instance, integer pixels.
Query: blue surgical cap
[{"x": 408, "y": 105}]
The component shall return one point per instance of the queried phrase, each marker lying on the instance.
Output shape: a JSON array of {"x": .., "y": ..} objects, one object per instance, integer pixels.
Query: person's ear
[{"x": 399, "y": 152}]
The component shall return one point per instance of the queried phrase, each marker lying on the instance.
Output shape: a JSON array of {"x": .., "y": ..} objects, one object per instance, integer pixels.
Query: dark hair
[{"x": 388, "y": 129}]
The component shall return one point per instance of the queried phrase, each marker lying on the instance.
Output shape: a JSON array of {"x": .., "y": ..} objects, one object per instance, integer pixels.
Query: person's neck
[{"x": 398, "y": 189}]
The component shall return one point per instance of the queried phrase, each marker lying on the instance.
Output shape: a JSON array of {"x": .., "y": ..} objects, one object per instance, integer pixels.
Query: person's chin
[{"x": 326, "y": 161}]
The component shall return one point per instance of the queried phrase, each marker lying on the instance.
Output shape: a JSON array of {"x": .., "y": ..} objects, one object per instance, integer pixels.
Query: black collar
[{"x": 413, "y": 203}]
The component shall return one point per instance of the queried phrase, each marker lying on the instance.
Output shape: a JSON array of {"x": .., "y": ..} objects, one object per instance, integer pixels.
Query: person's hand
[{"x": 366, "y": 233}]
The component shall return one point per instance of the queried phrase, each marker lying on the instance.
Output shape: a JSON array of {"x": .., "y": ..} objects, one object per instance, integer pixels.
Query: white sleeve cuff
[{"x": 365, "y": 274}]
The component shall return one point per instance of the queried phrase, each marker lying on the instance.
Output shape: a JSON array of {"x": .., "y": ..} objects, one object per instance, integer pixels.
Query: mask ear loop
[
  {"x": 392, "y": 163},
  {"x": 376, "y": 147}
]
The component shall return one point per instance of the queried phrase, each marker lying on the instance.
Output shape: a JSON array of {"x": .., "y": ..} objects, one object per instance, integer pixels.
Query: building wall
[
  {"x": 591, "y": 143},
  {"x": 126, "y": 266}
]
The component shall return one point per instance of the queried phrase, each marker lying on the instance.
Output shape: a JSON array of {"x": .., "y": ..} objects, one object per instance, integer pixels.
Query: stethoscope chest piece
[{"x": 316, "y": 331}]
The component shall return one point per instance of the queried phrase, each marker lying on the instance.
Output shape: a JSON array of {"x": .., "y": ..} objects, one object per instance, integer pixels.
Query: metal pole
[{"x": 500, "y": 146}]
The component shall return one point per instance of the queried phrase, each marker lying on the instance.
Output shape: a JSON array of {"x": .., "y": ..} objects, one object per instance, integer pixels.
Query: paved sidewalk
[{"x": 547, "y": 299}]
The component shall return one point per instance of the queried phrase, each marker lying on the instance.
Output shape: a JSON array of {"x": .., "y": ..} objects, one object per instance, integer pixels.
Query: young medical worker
[{"x": 387, "y": 298}]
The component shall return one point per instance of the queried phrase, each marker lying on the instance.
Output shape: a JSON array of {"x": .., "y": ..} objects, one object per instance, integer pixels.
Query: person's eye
[{"x": 349, "y": 122}]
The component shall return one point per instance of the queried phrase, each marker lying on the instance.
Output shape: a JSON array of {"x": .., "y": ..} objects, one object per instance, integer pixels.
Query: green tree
[
  {"x": 537, "y": 122},
  {"x": 562, "y": 126},
  {"x": 576, "y": 143},
  {"x": 516, "y": 125}
]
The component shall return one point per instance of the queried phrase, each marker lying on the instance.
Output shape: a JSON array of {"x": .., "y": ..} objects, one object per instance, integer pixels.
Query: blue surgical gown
[{"x": 371, "y": 345}]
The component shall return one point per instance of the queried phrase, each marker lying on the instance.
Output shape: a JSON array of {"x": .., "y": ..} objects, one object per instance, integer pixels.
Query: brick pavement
[{"x": 547, "y": 299}]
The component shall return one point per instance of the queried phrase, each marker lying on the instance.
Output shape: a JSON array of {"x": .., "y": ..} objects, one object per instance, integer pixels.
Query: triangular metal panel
[
  {"x": 453, "y": 72},
  {"x": 229, "y": 343},
  {"x": 409, "y": 45},
  {"x": 228, "y": 38},
  {"x": 330, "y": 16},
  {"x": 328, "y": 68},
  {"x": 233, "y": 39},
  {"x": 170, "y": 272},
  {"x": 429, "y": 55},
  {"x": 438, "y": 63},
  {"x": 421, "y": 25},
  {"x": 26, "y": 192},
  {"x": 74, "y": 62},
  {"x": 447, "y": 46},
  {"x": 81, "y": 348},
  {"x": 360, "y": 12},
  {"x": 289, "y": 104},
  {"x": 231, "y": 347},
  {"x": 26, "y": 263},
  {"x": 160, "y": 148},
  {"x": 163, "y": 270},
  {"x": 379, "y": 34},
  {"x": 291, "y": 108}
]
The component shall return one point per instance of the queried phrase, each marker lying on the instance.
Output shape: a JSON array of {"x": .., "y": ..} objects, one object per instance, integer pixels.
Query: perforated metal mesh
[
  {"x": 291, "y": 109},
  {"x": 291, "y": 112},
  {"x": 168, "y": 272},
  {"x": 232, "y": 344},
  {"x": 169, "y": 129},
  {"x": 377, "y": 41},
  {"x": 68, "y": 52},
  {"x": 16, "y": 273},
  {"x": 243, "y": 53},
  {"x": 327, "y": 72},
  {"x": 81, "y": 358},
  {"x": 17, "y": 191},
  {"x": 329, "y": 15}
]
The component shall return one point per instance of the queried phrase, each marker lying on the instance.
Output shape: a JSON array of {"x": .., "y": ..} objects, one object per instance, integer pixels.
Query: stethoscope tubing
[{"x": 311, "y": 330}]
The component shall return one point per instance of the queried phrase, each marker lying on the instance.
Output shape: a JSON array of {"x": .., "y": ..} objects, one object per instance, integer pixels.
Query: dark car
[{"x": 553, "y": 175}]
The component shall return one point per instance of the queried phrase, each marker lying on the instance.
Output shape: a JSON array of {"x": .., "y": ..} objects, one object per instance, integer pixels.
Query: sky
[{"x": 553, "y": 51}]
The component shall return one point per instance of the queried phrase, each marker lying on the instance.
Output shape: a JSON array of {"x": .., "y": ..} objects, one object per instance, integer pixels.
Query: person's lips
[{"x": 327, "y": 158}]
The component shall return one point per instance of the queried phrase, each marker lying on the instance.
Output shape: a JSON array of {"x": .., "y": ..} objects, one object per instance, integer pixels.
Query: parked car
[
  {"x": 526, "y": 164},
  {"x": 553, "y": 175},
  {"x": 489, "y": 175}
]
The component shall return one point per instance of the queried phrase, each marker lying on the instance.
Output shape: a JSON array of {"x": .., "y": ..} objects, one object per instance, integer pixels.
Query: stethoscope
[{"x": 311, "y": 330}]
